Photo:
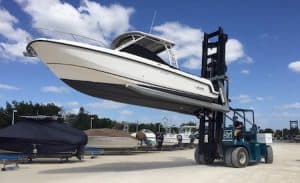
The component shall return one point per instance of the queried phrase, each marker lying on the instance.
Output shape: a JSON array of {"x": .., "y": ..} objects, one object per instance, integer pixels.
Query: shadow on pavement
[
  {"x": 51, "y": 161},
  {"x": 125, "y": 166}
]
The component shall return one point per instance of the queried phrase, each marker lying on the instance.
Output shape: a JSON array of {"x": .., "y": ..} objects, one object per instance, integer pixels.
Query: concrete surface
[{"x": 169, "y": 167}]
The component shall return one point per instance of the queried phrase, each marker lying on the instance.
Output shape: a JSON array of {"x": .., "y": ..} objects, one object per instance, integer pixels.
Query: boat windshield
[
  {"x": 146, "y": 46},
  {"x": 147, "y": 131},
  {"x": 143, "y": 52},
  {"x": 188, "y": 129}
]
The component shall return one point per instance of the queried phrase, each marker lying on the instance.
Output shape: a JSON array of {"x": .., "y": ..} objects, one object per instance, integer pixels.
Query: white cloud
[
  {"x": 268, "y": 36},
  {"x": 295, "y": 105},
  {"x": 248, "y": 60},
  {"x": 89, "y": 19},
  {"x": 192, "y": 63},
  {"x": 72, "y": 103},
  {"x": 260, "y": 98},
  {"x": 105, "y": 104},
  {"x": 189, "y": 44},
  {"x": 264, "y": 35},
  {"x": 126, "y": 112},
  {"x": 284, "y": 116},
  {"x": 245, "y": 71},
  {"x": 14, "y": 42},
  {"x": 73, "y": 111},
  {"x": 243, "y": 98},
  {"x": 7, "y": 27},
  {"x": 54, "y": 89},
  {"x": 234, "y": 50},
  {"x": 8, "y": 87},
  {"x": 294, "y": 66}
]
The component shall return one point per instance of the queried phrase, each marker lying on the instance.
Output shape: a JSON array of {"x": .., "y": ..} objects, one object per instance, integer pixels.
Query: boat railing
[{"x": 55, "y": 34}]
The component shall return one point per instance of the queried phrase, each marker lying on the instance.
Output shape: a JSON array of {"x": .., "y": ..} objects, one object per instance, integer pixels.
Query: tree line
[
  {"x": 80, "y": 120},
  {"x": 83, "y": 118}
]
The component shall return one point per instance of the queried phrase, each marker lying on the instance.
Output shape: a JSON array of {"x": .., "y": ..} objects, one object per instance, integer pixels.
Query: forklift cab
[
  {"x": 241, "y": 121},
  {"x": 244, "y": 148}
]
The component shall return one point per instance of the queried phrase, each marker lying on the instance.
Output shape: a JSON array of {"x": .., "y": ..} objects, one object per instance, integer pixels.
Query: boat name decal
[{"x": 199, "y": 88}]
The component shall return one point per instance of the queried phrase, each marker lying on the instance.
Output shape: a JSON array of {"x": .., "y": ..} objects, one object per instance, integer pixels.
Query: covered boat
[{"x": 43, "y": 137}]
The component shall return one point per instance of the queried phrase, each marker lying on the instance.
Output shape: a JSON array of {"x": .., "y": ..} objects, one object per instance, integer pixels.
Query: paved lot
[{"x": 175, "y": 166}]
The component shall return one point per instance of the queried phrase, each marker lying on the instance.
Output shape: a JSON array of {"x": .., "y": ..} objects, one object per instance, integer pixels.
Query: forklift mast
[{"x": 211, "y": 122}]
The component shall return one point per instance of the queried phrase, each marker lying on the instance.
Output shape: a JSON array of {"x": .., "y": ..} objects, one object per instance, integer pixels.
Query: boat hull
[
  {"x": 170, "y": 140},
  {"x": 121, "y": 77},
  {"x": 121, "y": 93}
]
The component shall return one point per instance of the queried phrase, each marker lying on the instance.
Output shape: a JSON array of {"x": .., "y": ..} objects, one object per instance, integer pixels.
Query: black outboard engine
[
  {"x": 159, "y": 140},
  {"x": 192, "y": 139},
  {"x": 179, "y": 139}
]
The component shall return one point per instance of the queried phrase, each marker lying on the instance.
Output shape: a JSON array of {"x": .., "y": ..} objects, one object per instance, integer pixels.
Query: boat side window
[
  {"x": 147, "y": 131},
  {"x": 182, "y": 130},
  {"x": 143, "y": 52}
]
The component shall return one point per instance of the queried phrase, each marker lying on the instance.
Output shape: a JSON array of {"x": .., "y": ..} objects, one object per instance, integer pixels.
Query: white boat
[
  {"x": 170, "y": 137},
  {"x": 186, "y": 133},
  {"x": 130, "y": 72},
  {"x": 150, "y": 137}
]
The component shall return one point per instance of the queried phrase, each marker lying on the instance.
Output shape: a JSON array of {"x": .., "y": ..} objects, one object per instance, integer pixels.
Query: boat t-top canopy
[
  {"x": 152, "y": 43},
  {"x": 145, "y": 45}
]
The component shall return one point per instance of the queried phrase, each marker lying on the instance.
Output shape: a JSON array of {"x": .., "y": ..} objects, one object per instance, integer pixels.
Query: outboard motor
[
  {"x": 192, "y": 139},
  {"x": 179, "y": 138}
]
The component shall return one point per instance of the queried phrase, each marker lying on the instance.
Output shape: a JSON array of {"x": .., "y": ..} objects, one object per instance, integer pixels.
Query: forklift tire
[
  {"x": 239, "y": 157},
  {"x": 269, "y": 155},
  {"x": 227, "y": 159}
]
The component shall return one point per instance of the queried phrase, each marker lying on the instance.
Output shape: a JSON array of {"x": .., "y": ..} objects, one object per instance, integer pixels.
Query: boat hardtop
[
  {"x": 145, "y": 45},
  {"x": 151, "y": 42}
]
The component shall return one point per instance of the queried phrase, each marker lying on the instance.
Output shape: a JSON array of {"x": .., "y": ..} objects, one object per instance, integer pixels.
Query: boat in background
[
  {"x": 186, "y": 134},
  {"x": 131, "y": 71},
  {"x": 170, "y": 137},
  {"x": 146, "y": 137}
]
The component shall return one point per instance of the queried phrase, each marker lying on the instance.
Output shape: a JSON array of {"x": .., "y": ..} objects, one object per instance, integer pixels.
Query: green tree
[
  {"x": 268, "y": 130},
  {"x": 26, "y": 109},
  {"x": 190, "y": 123},
  {"x": 4, "y": 118},
  {"x": 82, "y": 121},
  {"x": 278, "y": 134},
  {"x": 286, "y": 133}
]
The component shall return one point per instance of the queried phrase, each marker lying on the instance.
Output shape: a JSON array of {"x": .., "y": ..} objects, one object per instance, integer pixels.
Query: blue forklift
[
  {"x": 243, "y": 147},
  {"x": 228, "y": 134}
]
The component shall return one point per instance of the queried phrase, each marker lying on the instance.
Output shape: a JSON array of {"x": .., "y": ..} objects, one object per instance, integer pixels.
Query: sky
[{"x": 263, "y": 51}]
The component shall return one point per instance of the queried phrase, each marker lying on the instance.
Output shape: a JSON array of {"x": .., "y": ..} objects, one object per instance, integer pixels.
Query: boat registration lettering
[{"x": 199, "y": 88}]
